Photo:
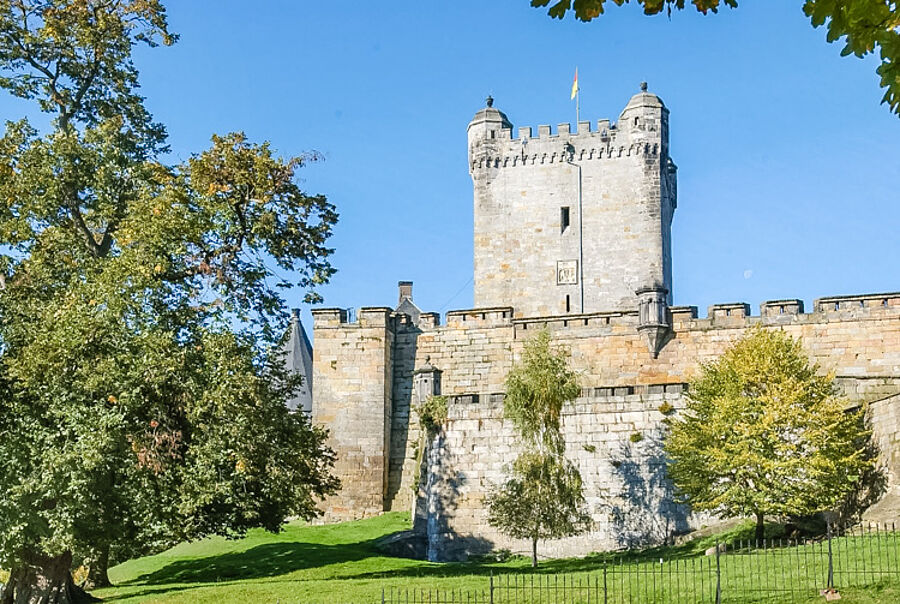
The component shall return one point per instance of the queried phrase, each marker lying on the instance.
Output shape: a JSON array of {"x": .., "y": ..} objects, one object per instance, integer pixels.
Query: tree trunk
[
  {"x": 97, "y": 575},
  {"x": 534, "y": 552},
  {"x": 760, "y": 528},
  {"x": 44, "y": 580}
]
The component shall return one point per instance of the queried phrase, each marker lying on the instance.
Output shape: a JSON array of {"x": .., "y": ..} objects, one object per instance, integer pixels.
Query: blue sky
[{"x": 789, "y": 168}]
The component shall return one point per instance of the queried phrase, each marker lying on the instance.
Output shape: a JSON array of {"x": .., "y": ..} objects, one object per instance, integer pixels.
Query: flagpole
[{"x": 577, "y": 108}]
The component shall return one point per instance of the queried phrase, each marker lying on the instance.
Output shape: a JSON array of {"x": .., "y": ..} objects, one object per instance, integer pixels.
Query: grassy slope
[{"x": 338, "y": 563}]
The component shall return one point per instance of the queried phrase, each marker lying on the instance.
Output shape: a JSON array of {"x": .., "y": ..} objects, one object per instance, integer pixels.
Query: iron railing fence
[{"x": 779, "y": 570}]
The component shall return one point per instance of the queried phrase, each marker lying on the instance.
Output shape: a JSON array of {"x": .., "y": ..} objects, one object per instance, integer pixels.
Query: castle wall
[
  {"x": 615, "y": 440},
  {"x": 884, "y": 418},
  {"x": 856, "y": 338},
  {"x": 628, "y": 197},
  {"x": 352, "y": 393}
]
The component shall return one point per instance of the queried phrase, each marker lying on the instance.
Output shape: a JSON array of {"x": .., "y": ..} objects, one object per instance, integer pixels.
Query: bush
[{"x": 432, "y": 413}]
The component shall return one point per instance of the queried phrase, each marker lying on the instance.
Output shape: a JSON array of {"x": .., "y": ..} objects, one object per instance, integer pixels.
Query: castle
[{"x": 572, "y": 234}]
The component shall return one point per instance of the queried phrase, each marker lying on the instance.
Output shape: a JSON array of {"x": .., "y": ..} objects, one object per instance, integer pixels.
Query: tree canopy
[
  {"x": 543, "y": 497},
  {"x": 764, "y": 433},
  {"x": 141, "y": 310},
  {"x": 864, "y": 25}
]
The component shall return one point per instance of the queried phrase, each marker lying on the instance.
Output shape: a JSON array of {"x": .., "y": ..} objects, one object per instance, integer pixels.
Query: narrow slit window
[
  {"x": 568, "y": 304},
  {"x": 563, "y": 219}
]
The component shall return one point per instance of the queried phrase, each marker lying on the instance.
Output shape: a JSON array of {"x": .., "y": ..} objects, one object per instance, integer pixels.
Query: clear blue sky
[{"x": 789, "y": 168}]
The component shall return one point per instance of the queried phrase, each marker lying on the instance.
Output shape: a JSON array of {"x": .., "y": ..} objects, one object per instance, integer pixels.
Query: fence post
[
  {"x": 830, "y": 559},
  {"x": 382, "y": 595},
  {"x": 605, "y": 601},
  {"x": 718, "y": 577},
  {"x": 492, "y": 588}
]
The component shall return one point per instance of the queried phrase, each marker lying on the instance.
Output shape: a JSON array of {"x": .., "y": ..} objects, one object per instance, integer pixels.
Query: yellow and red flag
[{"x": 575, "y": 85}]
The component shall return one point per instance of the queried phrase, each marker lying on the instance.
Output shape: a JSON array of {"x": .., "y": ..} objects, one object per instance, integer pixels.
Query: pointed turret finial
[
  {"x": 490, "y": 101},
  {"x": 643, "y": 86},
  {"x": 295, "y": 314}
]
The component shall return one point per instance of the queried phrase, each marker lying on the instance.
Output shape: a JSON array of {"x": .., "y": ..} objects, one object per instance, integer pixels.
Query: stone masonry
[
  {"x": 634, "y": 352},
  {"x": 569, "y": 214}
]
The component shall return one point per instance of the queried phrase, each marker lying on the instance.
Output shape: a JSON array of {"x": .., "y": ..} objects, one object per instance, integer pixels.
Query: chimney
[{"x": 405, "y": 291}]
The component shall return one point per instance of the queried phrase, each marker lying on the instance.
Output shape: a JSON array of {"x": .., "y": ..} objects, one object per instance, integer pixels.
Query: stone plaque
[{"x": 567, "y": 272}]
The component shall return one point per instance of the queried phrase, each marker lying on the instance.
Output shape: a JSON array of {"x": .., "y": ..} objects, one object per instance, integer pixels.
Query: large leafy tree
[
  {"x": 864, "y": 25},
  {"x": 543, "y": 497},
  {"x": 764, "y": 433},
  {"x": 141, "y": 397}
]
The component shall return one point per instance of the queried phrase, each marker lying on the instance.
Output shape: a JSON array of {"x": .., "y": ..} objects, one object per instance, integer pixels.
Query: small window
[
  {"x": 493, "y": 134},
  {"x": 563, "y": 219},
  {"x": 568, "y": 304}
]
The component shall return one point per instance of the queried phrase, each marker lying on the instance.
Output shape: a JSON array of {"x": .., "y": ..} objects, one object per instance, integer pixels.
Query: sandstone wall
[
  {"x": 856, "y": 338},
  {"x": 614, "y": 439},
  {"x": 352, "y": 394}
]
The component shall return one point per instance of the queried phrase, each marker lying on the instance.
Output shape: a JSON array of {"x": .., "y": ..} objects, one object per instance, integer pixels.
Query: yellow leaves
[
  {"x": 112, "y": 399},
  {"x": 158, "y": 269},
  {"x": 216, "y": 188},
  {"x": 240, "y": 466}
]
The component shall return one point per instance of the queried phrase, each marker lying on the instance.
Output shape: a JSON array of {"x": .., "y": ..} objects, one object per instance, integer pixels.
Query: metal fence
[{"x": 780, "y": 570}]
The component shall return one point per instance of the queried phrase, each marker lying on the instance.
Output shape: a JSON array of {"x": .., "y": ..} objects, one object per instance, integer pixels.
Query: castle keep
[
  {"x": 572, "y": 221},
  {"x": 572, "y": 233}
]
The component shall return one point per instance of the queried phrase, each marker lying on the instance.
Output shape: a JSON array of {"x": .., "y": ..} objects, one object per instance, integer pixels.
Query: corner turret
[
  {"x": 486, "y": 130},
  {"x": 646, "y": 118}
]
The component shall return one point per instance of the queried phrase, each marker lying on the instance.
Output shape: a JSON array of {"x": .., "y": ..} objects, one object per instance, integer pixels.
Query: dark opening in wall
[
  {"x": 563, "y": 219},
  {"x": 568, "y": 304}
]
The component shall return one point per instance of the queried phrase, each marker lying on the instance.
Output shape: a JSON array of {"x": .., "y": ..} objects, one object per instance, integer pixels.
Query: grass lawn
[{"x": 338, "y": 563}]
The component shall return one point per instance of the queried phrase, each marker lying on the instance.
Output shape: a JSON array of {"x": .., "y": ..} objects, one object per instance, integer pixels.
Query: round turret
[
  {"x": 489, "y": 118},
  {"x": 485, "y": 131},
  {"x": 644, "y": 99}
]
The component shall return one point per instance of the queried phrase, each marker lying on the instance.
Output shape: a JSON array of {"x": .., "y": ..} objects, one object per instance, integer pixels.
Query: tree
[
  {"x": 765, "y": 434},
  {"x": 543, "y": 498},
  {"x": 141, "y": 388},
  {"x": 864, "y": 25}
]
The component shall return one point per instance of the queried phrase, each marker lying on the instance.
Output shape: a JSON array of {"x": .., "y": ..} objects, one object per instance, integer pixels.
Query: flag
[{"x": 575, "y": 84}]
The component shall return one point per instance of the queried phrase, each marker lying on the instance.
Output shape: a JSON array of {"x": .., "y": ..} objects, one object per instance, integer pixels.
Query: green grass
[{"x": 338, "y": 563}]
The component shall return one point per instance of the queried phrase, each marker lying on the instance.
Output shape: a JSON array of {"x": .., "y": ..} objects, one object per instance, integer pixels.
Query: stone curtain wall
[
  {"x": 884, "y": 418},
  {"x": 856, "y": 338},
  {"x": 614, "y": 439}
]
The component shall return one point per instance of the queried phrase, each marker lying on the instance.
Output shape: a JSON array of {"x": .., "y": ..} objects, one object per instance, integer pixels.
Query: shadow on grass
[
  {"x": 269, "y": 560},
  {"x": 590, "y": 563}
]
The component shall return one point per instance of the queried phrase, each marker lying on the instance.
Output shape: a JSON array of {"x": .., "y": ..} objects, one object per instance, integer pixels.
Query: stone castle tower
[{"x": 573, "y": 222}]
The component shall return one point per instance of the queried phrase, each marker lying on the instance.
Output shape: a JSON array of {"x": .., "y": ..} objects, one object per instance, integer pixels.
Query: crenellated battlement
[
  {"x": 681, "y": 318},
  {"x": 607, "y": 142}
]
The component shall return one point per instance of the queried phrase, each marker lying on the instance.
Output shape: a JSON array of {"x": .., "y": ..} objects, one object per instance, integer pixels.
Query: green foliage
[
  {"x": 763, "y": 433},
  {"x": 636, "y": 437},
  {"x": 432, "y": 413},
  {"x": 543, "y": 496},
  {"x": 542, "y": 499},
  {"x": 864, "y": 25},
  {"x": 666, "y": 408},
  {"x": 141, "y": 385},
  {"x": 589, "y": 448},
  {"x": 536, "y": 390}
]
